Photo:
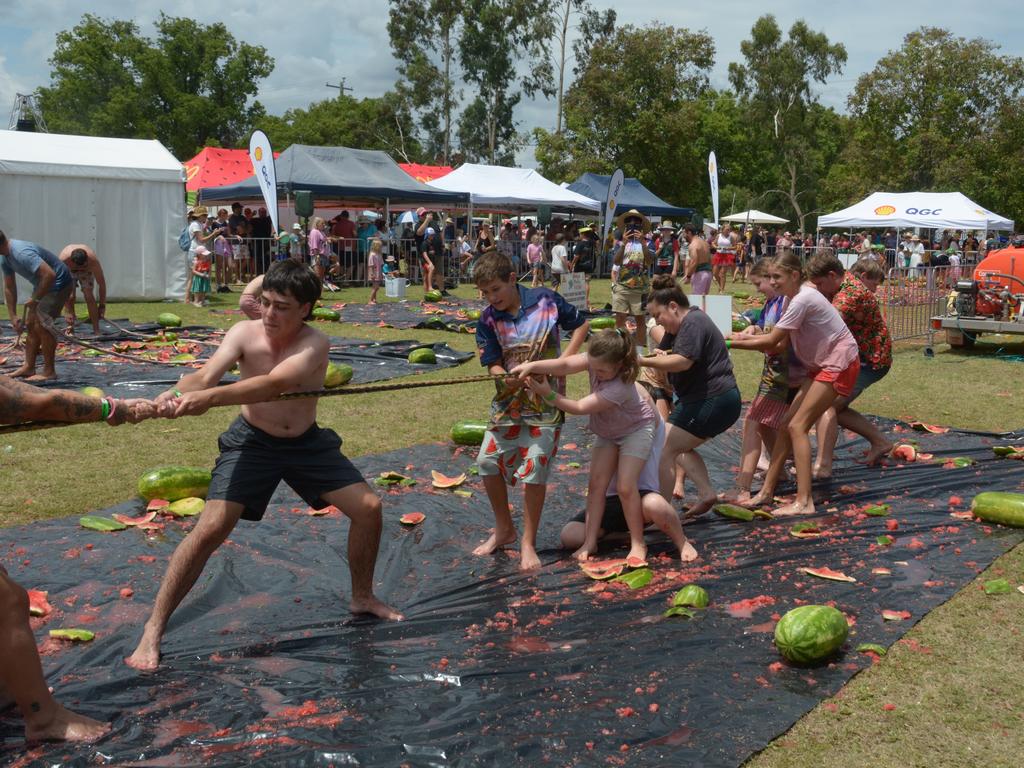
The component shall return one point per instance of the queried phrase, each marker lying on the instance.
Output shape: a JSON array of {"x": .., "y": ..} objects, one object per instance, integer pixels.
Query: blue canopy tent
[
  {"x": 339, "y": 173},
  {"x": 634, "y": 195}
]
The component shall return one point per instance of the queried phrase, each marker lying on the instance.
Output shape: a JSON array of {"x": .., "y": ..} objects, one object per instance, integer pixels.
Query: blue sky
[{"x": 315, "y": 42}]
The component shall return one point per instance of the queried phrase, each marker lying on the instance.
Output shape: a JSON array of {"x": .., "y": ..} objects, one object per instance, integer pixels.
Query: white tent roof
[
  {"x": 931, "y": 210},
  {"x": 51, "y": 154},
  {"x": 754, "y": 216},
  {"x": 493, "y": 186}
]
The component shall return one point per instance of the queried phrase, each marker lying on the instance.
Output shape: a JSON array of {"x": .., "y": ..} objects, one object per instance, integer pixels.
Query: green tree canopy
[{"x": 193, "y": 85}]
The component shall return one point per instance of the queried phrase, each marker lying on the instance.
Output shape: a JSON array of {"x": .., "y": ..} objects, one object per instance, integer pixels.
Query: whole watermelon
[
  {"x": 468, "y": 432},
  {"x": 811, "y": 633},
  {"x": 602, "y": 322},
  {"x": 423, "y": 356}
]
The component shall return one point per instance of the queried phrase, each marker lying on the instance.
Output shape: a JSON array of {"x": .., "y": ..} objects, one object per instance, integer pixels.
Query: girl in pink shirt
[
  {"x": 827, "y": 349},
  {"x": 623, "y": 418},
  {"x": 535, "y": 258},
  {"x": 374, "y": 267}
]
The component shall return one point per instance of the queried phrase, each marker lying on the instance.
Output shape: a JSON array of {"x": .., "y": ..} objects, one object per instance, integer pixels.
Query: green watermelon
[
  {"x": 168, "y": 320},
  {"x": 92, "y": 392},
  {"x": 1001, "y": 508},
  {"x": 104, "y": 524},
  {"x": 473, "y": 314},
  {"x": 468, "y": 432},
  {"x": 75, "y": 635},
  {"x": 432, "y": 296},
  {"x": 338, "y": 374},
  {"x": 423, "y": 356},
  {"x": 739, "y": 323},
  {"x": 173, "y": 483},
  {"x": 601, "y": 322},
  {"x": 190, "y": 506},
  {"x": 811, "y": 633},
  {"x": 691, "y": 595},
  {"x": 741, "y": 513},
  {"x": 323, "y": 313}
]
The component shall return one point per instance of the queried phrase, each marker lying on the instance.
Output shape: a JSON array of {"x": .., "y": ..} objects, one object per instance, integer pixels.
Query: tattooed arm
[{"x": 20, "y": 402}]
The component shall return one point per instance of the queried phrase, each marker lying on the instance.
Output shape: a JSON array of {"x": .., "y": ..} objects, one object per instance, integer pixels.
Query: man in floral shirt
[{"x": 863, "y": 317}]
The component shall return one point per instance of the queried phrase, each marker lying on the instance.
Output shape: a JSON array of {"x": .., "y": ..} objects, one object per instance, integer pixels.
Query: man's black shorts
[
  {"x": 614, "y": 520},
  {"x": 252, "y": 463}
]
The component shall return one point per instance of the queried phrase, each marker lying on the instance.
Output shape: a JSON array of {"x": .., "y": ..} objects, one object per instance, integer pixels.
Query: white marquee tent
[
  {"x": 493, "y": 187},
  {"x": 753, "y": 216},
  {"x": 928, "y": 210},
  {"x": 123, "y": 197}
]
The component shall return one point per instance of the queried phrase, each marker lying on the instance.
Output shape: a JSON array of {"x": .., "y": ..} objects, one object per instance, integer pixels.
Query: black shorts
[
  {"x": 252, "y": 463},
  {"x": 663, "y": 270},
  {"x": 614, "y": 519},
  {"x": 656, "y": 393},
  {"x": 710, "y": 417}
]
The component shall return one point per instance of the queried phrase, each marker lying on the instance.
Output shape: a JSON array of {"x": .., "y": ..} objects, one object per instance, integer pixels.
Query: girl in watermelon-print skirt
[
  {"x": 826, "y": 347},
  {"x": 781, "y": 378}
]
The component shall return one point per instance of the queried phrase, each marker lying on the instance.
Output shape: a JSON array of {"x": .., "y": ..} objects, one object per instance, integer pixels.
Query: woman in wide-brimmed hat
[{"x": 632, "y": 259}]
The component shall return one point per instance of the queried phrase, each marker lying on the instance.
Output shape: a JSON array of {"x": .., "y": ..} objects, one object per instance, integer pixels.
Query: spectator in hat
[
  {"x": 666, "y": 257},
  {"x": 199, "y": 234},
  {"x": 633, "y": 259}
]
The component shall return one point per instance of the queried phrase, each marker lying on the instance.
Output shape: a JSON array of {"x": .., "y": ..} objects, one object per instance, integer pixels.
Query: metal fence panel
[{"x": 911, "y": 296}]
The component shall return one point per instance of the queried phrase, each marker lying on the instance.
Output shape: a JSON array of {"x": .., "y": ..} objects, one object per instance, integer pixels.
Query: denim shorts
[{"x": 710, "y": 417}]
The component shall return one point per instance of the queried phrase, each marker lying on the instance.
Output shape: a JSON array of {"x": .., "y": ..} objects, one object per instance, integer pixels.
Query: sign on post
[{"x": 574, "y": 289}]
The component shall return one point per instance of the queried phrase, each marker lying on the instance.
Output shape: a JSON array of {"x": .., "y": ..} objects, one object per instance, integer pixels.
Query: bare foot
[
  {"x": 736, "y": 495},
  {"x": 42, "y": 377},
  {"x": 66, "y": 725},
  {"x": 583, "y": 553},
  {"x": 821, "y": 472},
  {"x": 374, "y": 607},
  {"x": 795, "y": 508},
  {"x": 678, "y": 492},
  {"x": 146, "y": 656},
  {"x": 688, "y": 553},
  {"x": 22, "y": 372},
  {"x": 528, "y": 560},
  {"x": 876, "y": 453},
  {"x": 495, "y": 542},
  {"x": 638, "y": 551},
  {"x": 701, "y": 507},
  {"x": 757, "y": 500}
]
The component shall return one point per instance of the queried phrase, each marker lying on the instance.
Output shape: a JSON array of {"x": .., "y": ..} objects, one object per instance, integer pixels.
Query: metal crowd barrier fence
[{"x": 911, "y": 296}]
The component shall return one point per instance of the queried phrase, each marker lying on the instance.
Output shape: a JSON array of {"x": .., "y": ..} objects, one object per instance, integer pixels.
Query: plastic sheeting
[
  {"x": 263, "y": 665},
  {"x": 370, "y": 361}
]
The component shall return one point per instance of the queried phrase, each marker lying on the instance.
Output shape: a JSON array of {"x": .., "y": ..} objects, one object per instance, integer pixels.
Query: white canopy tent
[
  {"x": 753, "y": 216},
  {"x": 493, "y": 187},
  {"x": 125, "y": 198},
  {"x": 927, "y": 210}
]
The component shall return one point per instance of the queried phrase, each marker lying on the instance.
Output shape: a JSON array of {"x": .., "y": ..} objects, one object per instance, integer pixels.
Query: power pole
[{"x": 341, "y": 87}]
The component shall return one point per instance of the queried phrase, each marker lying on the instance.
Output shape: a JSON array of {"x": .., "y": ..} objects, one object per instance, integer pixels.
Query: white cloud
[{"x": 320, "y": 41}]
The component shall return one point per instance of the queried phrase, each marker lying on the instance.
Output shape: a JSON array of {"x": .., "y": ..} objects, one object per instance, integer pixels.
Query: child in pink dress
[{"x": 374, "y": 267}]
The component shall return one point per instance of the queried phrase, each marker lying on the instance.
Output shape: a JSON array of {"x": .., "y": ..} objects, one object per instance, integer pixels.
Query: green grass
[{"x": 960, "y": 704}]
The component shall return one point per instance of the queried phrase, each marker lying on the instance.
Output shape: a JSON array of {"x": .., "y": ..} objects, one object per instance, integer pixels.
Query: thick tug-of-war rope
[{"x": 29, "y": 426}]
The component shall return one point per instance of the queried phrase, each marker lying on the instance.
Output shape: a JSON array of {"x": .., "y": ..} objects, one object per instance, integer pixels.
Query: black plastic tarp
[
  {"x": 264, "y": 666},
  {"x": 371, "y": 361},
  {"x": 338, "y": 173},
  {"x": 633, "y": 195}
]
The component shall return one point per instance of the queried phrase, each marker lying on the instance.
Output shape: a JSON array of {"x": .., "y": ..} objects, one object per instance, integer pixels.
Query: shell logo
[
  {"x": 611, "y": 204},
  {"x": 258, "y": 153},
  {"x": 884, "y": 210},
  {"x": 191, "y": 171}
]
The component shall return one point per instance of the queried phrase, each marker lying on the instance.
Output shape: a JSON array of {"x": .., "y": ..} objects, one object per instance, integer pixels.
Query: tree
[
  {"x": 592, "y": 24},
  {"x": 940, "y": 113},
  {"x": 636, "y": 105},
  {"x": 497, "y": 36},
  {"x": 775, "y": 86},
  {"x": 372, "y": 123},
  {"x": 423, "y": 35},
  {"x": 193, "y": 85}
]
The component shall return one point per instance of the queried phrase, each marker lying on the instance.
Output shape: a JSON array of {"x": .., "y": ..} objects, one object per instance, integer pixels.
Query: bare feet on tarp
[
  {"x": 688, "y": 553},
  {"x": 528, "y": 559},
  {"x": 736, "y": 495},
  {"x": 795, "y": 508},
  {"x": 66, "y": 725},
  {"x": 146, "y": 656},
  {"x": 701, "y": 507},
  {"x": 374, "y": 607},
  {"x": 875, "y": 454},
  {"x": 497, "y": 540}
]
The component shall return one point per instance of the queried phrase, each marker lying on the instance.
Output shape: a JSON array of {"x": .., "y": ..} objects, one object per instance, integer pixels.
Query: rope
[{"x": 30, "y": 426}]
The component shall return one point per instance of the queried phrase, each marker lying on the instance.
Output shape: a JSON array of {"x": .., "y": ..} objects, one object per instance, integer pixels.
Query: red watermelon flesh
[
  {"x": 920, "y": 426},
  {"x": 159, "y": 505},
  {"x": 412, "y": 518},
  {"x": 904, "y": 452},
  {"x": 147, "y": 517},
  {"x": 444, "y": 481},
  {"x": 38, "y": 605},
  {"x": 636, "y": 562},
  {"x": 603, "y": 569},
  {"x": 827, "y": 573}
]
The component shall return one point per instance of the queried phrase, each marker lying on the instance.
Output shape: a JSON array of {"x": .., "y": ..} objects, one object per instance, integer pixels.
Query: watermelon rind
[
  {"x": 999, "y": 507},
  {"x": 810, "y": 634},
  {"x": 468, "y": 432},
  {"x": 77, "y": 635},
  {"x": 173, "y": 483},
  {"x": 637, "y": 579},
  {"x": 104, "y": 524},
  {"x": 692, "y": 595},
  {"x": 423, "y": 356}
]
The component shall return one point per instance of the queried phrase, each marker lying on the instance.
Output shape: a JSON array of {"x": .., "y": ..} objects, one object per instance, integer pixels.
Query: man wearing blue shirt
[{"x": 51, "y": 287}]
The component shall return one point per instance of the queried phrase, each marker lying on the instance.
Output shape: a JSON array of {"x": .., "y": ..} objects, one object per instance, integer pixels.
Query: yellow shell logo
[
  {"x": 884, "y": 210},
  {"x": 611, "y": 204},
  {"x": 191, "y": 171},
  {"x": 259, "y": 153}
]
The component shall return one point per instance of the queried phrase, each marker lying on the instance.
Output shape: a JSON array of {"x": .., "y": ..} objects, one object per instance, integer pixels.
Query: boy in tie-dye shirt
[{"x": 519, "y": 325}]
